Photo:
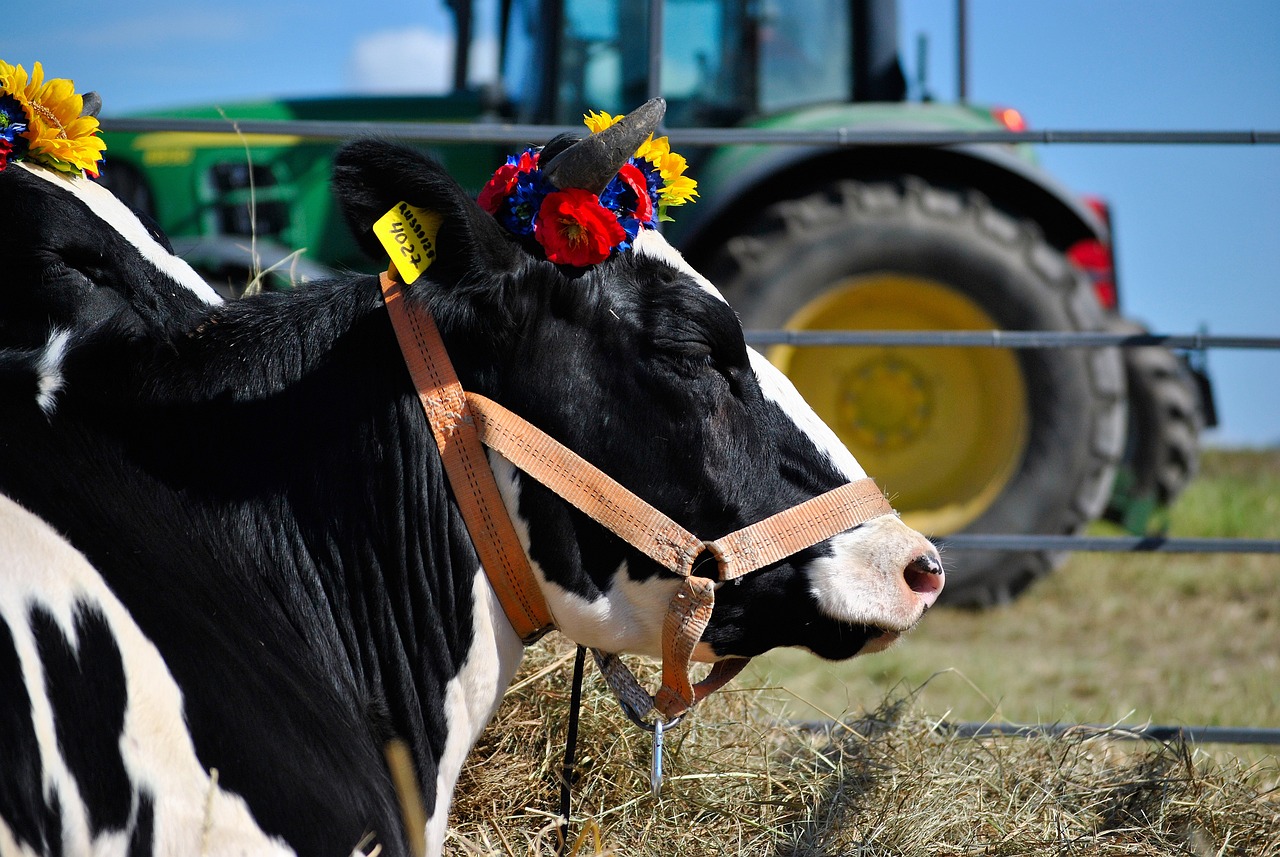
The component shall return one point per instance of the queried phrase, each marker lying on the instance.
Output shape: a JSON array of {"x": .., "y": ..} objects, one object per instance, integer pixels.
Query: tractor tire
[
  {"x": 981, "y": 440},
  {"x": 1162, "y": 445}
]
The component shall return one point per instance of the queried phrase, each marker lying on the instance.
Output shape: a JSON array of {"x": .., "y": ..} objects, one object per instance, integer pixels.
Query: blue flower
[
  {"x": 13, "y": 122},
  {"x": 525, "y": 199},
  {"x": 13, "y": 119}
]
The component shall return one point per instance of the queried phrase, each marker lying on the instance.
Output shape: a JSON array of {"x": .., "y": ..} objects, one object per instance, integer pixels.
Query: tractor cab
[{"x": 722, "y": 61}]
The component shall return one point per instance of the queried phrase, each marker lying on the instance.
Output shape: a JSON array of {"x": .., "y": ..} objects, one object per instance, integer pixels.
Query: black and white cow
[{"x": 269, "y": 577}]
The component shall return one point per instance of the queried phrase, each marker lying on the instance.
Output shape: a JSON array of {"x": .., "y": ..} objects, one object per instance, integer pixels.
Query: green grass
[{"x": 1190, "y": 639}]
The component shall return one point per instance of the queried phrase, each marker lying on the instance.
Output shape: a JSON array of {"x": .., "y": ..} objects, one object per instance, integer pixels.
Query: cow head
[
  {"x": 74, "y": 256},
  {"x": 639, "y": 365}
]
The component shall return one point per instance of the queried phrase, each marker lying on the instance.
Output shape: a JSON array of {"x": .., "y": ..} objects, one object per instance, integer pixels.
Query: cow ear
[{"x": 370, "y": 177}]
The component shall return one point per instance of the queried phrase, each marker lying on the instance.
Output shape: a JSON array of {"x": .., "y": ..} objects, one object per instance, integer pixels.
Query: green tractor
[{"x": 806, "y": 238}]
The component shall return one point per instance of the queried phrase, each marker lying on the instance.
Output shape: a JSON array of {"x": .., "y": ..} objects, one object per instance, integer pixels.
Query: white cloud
[
  {"x": 413, "y": 60},
  {"x": 410, "y": 60}
]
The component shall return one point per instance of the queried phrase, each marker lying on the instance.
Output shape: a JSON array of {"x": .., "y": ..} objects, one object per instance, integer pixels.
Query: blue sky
[{"x": 1198, "y": 227}]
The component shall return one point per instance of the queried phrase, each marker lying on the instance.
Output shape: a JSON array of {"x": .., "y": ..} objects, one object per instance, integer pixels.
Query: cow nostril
[{"x": 924, "y": 576}]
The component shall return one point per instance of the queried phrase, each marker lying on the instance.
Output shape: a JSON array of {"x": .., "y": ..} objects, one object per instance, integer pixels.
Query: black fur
[
  {"x": 85, "y": 673},
  {"x": 142, "y": 842},
  {"x": 22, "y": 803}
]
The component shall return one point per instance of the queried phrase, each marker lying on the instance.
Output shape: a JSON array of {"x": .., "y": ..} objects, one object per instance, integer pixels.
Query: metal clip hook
[{"x": 655, "y": 771}]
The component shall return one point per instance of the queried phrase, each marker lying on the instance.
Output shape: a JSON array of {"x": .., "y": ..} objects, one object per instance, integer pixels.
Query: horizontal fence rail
[
  {"x": 1165, "y": 734},
  {"x": 1044, "y": 339},
  {"x": 1006, "y": 339},
  {"x": 1162, "y": 733},
  {"x": 1104, "y": 544},
  {"x": 502, "y": 132}
]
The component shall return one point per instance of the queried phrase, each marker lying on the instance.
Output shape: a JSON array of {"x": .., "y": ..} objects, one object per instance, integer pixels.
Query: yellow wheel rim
[{"x": 941, "y": 429}]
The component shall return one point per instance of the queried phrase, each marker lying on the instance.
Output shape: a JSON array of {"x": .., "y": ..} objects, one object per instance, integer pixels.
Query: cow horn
[
  {"x": 92, "y": 104},
  {"x": 590, "y": 164}
]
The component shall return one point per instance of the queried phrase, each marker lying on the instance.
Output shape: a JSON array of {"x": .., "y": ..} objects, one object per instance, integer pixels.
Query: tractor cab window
[
  {"x": 803, "y": 50},
  {"x": 706, "y": 62},
  {"x": 604, "y": 56},
  {"x": 722, "y": 60},
  {"x": 564, "y": 58},
  {"x": 561, "y": 59}
]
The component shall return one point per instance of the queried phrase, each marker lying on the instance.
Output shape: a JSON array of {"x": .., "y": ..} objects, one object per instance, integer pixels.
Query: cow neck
[{"x": 463, "y": 421}]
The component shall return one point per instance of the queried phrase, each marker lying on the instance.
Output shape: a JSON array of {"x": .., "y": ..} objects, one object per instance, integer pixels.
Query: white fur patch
[
  {"x": 49, "y": 367},
  {"x": 626, "y": 618},
  {"x": 119, "y": 217},
  {"x": 776, "y": 386},
  {"x": 651, "y": 244},
  {"x": 192, "y": 815},
  {"x": 472, "y": 697},
  {"x": 778, "y": 389}
]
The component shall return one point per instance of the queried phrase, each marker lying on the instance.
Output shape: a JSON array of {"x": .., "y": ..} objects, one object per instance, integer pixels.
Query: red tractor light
[
  {"x": 1095, "y": 258},
  {"x": 1010, "y": 118}
]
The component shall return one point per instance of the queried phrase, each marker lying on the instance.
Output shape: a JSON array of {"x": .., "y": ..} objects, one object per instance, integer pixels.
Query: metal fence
[
  {"x": 1146, "y": 732},
  {"x": 512, "y": 133}
]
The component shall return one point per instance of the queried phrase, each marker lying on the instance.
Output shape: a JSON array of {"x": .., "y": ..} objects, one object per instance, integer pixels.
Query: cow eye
[
  {"x": 697, "y": 351},
  {"x": 687, "y": 347}
]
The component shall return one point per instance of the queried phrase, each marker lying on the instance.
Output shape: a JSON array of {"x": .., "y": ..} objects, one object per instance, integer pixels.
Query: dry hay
[{"x": 890, "y": 782}]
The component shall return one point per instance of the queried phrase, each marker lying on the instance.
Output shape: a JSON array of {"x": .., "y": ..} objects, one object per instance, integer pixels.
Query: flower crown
[
  {"x": 43, "y": 121},
  {"x": 577, "y": 227}
]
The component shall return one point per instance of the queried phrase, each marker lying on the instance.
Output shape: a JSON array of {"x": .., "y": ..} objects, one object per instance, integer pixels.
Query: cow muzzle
[
  {"x": 924, "y": 576},
  {"x": 882, "y": 575}
]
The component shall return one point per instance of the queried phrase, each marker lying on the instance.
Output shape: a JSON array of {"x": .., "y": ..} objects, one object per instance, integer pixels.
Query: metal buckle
[{"x": 655, "y": 769}]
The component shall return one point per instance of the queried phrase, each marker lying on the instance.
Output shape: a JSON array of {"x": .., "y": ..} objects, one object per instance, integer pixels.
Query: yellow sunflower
[
  {"x": 654, "y": 151},
  {"x": 597, "y": 122},
  {"x": 677, "y": 188},
  {"x": 678, "y": 191},
  {"x": 58, "y": 136}
]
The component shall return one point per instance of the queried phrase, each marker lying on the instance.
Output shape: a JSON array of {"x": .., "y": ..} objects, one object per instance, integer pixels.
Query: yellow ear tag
[{"x": 409, "y": 235}]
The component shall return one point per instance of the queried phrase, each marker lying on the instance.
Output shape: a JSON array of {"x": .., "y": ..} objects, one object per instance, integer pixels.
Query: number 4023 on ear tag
[{"x": 409, "y": 235}]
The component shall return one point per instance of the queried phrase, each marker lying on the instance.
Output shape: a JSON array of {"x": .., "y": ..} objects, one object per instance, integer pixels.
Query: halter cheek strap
[
  {"x": 465, "y": 464},
  {"x": 462, "y": 421}
]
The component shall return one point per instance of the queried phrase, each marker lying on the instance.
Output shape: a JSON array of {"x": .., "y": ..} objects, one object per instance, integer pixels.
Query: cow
[{"x": 268, "y": 578}]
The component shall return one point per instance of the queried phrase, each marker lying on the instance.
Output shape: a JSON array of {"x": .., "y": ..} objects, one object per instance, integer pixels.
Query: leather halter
[{"x": 462, "y": 421}]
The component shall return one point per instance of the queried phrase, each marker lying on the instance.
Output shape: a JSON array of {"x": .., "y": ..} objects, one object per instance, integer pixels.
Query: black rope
[{"x": 570, "y": 747}]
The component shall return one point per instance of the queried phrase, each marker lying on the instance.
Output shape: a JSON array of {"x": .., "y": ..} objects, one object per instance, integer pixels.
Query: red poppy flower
[
  {"x": 575, "y": 229},
  {"x": 497, "y": 188},
  {"x": 504, "y": 179},
  {"x": 634, "y": 179}
]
